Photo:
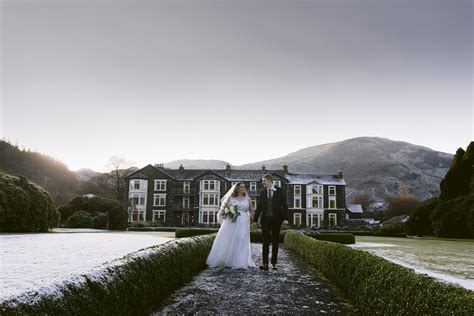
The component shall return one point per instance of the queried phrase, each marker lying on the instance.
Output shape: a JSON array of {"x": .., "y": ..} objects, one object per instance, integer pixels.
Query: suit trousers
[{"x": 270, "y": 233}]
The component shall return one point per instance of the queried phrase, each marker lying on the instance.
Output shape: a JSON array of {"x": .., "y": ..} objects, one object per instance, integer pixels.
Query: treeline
[
  {"x": 49, "y": 173},
  {"x": 452, "y": 213}
]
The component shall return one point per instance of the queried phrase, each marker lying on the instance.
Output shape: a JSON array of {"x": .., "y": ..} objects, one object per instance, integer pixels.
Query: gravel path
[{"x": 292, "y": 289}]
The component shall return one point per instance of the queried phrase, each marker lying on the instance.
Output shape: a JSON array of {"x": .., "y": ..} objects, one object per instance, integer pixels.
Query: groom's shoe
[
  {"x": 274, "y": 267},
  {"x": 264, "y": 267}
]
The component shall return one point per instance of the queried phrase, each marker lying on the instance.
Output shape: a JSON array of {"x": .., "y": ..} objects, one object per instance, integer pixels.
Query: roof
[
  {"x": 355, "y": 208},
  {"x": 397, "y": 219},
  {"x": 321, "y": 178}
]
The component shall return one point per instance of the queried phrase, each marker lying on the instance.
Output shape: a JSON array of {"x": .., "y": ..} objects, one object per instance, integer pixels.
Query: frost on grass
[{"x": 34, "y": 265}]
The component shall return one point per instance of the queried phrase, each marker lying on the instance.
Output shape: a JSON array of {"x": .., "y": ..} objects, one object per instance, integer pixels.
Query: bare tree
[
  {"x": 364, "y": 199},
  {"x": 119, "y": 168}
]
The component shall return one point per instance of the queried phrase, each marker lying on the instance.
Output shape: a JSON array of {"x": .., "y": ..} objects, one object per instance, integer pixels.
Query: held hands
[{"x": 285, "y": 222}]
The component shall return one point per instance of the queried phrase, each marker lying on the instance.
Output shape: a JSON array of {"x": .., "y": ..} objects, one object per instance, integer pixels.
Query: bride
[{"x": 231, "y": 248}]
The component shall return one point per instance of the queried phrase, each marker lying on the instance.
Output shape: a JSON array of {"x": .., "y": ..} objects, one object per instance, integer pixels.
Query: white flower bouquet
[{"x": 230, "y": 211}]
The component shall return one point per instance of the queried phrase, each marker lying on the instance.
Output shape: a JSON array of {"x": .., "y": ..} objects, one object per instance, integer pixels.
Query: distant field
[{"x": 451, "y": 260}]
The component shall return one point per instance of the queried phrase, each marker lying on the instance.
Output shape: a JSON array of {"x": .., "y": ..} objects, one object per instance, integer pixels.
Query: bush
[
  {"x": 24, "y": 206},
  {"x": 377, "y": 286},
  {"x": 393, "y": 230},
  {"x": 134, "y": 285},
  {"x": 451, "y": 218},
  {"x": 189, "y": 232},
  {"x": 80, "y": 219},
  {"x": 341, "y": 238},
  {"x": 420, "y": 222},
  {"x": 117, "y": 216}
]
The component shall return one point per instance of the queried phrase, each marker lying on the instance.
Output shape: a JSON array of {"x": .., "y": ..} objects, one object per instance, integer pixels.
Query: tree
[
  {"x": 403, "y": 204},
  {"x": 420, "y": 222},
  {"x": 364, "y": 199},
  {"x": 451, "y": 218},
  {"x": 119, "y": 169},
  {"x": 457, "y": 180}
]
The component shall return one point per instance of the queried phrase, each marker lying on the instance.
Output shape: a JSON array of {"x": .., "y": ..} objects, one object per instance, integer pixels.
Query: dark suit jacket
[{"x": 279, "y": 205}]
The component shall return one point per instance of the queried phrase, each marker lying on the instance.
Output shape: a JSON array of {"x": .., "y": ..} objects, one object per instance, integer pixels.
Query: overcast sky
[{"x": 241, "y": 81}]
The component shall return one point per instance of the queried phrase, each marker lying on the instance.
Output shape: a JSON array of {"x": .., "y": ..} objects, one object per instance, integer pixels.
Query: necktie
[{"x": 269, "y": 193}]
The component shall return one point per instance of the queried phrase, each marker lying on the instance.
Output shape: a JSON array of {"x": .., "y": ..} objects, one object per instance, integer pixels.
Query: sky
[{"x": 240, "y": 81}]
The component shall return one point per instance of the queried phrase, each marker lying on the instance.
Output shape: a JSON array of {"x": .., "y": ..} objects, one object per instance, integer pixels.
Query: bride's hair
[{"x": 236, "y": 190}]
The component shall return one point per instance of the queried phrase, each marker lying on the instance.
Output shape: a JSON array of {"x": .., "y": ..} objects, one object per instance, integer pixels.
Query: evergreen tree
[{"x": 453, "y": 184}]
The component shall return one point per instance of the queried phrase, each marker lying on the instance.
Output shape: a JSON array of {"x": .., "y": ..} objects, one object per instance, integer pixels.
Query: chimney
[
  {"x": 181, "y": 167},
  {"x": 159, "y": 166},
  {"x": 264, "y": 168},
  {"x": 339, "y": 174},
  {"x": 285, "y": 168},
  {"x": 227, "y": 166}
]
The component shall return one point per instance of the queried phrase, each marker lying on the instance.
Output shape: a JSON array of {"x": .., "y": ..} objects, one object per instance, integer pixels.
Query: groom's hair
[
  {"x": 236, "y": 190},
  {"x": 268, "y": 177}
]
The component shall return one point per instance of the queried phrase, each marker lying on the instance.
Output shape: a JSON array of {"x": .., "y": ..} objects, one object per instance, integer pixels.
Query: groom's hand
[{"x": 285, "y": 222}]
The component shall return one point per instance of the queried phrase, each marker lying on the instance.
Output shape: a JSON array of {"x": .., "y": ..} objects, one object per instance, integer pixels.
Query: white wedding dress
[{"x": 231, "y": 248}]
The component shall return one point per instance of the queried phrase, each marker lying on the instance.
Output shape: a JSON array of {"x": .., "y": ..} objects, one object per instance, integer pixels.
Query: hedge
[
  {"x": 255, "y": 236},
  {"x": 25, "y": 206},
  {"x": 378, "y": 286},
  {"x": 134, "y": 285},
  {"x": 341, "y": 238}
]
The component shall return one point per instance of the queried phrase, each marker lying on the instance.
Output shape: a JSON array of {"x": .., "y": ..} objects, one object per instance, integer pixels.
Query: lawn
[{"x": 450, "y": 260}]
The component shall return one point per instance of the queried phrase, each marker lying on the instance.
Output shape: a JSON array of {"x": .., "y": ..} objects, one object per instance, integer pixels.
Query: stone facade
[{"x": 181, "y": 197}]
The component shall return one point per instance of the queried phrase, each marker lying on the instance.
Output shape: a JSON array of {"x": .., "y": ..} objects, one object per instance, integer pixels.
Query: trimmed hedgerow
[
  {"x": 341, "y": 238},
  {"x": 189, "y": 232},
  {"x": 134, "y": 285},
  {"x": 377, "y": 286},
  {"x": 255, "y": 236}
]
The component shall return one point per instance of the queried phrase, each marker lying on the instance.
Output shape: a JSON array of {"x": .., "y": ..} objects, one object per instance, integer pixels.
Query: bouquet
[{"x": 230, "y": 211}]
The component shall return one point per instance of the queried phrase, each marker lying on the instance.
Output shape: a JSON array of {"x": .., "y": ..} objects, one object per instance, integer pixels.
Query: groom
[{"x": 273, "y": 209}]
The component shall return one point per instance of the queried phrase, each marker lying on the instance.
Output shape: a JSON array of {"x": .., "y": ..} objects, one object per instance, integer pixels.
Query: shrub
[
  {"x": 393, "y": 230},
  {"x": 80, "y": 219},
  {"x": 377, "y": 286},
  {"x": 420, "y": 222},
  {"x": 189, "y": 232},
  {"x": 341, "y": 238},
  {"x": 134, "y": 285},
  {"x": 451, "y": 218},
  {"x": 100, "y": 220},
  {"x": 24, "y": 206},
  {"x": 116, "y": 214}
]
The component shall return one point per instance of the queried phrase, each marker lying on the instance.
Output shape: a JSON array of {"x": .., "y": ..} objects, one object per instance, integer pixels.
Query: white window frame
[
  {"x": 297, "y": 198},
  {"x": 141, "y": 198},
  {"x": 332, "y": 188},
  {"x": 277, "y": 183},
  {"x": 211, "y": 197},
  {"x": 332, "y": 198},
  {"x": 319, "y": 201},
  {"x": 160, "y": 185},
  {"x": 157, "y": 214},
  {"x": 297, "y": 190},
  {"x": 253, "y": 200},
  {"x": 209, "y": 214},
  {"x": 334, "y": 217},
  {"x": 161, "y": 199},
  {"x": 253, "y": 186},
  {"x": 317, "y": 190},
  {"x": 297, "y": 216},
  {"x": 186, "y": 198},
  {"x": 186, "y": 187},
  {"x": 208, "y": 184},
  {"x": 134, "y": 184}
]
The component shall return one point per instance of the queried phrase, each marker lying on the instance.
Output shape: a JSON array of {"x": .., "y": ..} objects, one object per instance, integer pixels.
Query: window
[
  {"x": 277, "y": 183},
  {"x": 210, "y": 200},
  {"x": 332, "y": 219},
  {"x": 159, "y": 216},
  {"x": 332, "y": 190},
  {"x": 137, "y": 199},
  {"x": 186, "y": 187},
  {"x": 317, "y": 202},
  {"x": 160, "y": 185},
  {"x": 253, "y": 200},
  {"x": 297, "y": 202},
  {"x": 208, "y": 217},
  {"x": 297, "y": 219},
  {"x": 297, "y": 190},
  {"x": 136, "y": 185},
  {"x": 209, "y": 185},
  {"x": 159, "y": 200},
  {"x": 318, "y": 189},
  {"x": 186, "y": 203},
  {"x": 253, "y": 186},
  {"x": 332, "y": 202},
  {"x": 315, "y": 219}
]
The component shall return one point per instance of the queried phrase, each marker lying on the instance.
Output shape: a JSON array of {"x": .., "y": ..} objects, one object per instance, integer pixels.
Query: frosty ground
[{"x": 34, "y": 261}]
